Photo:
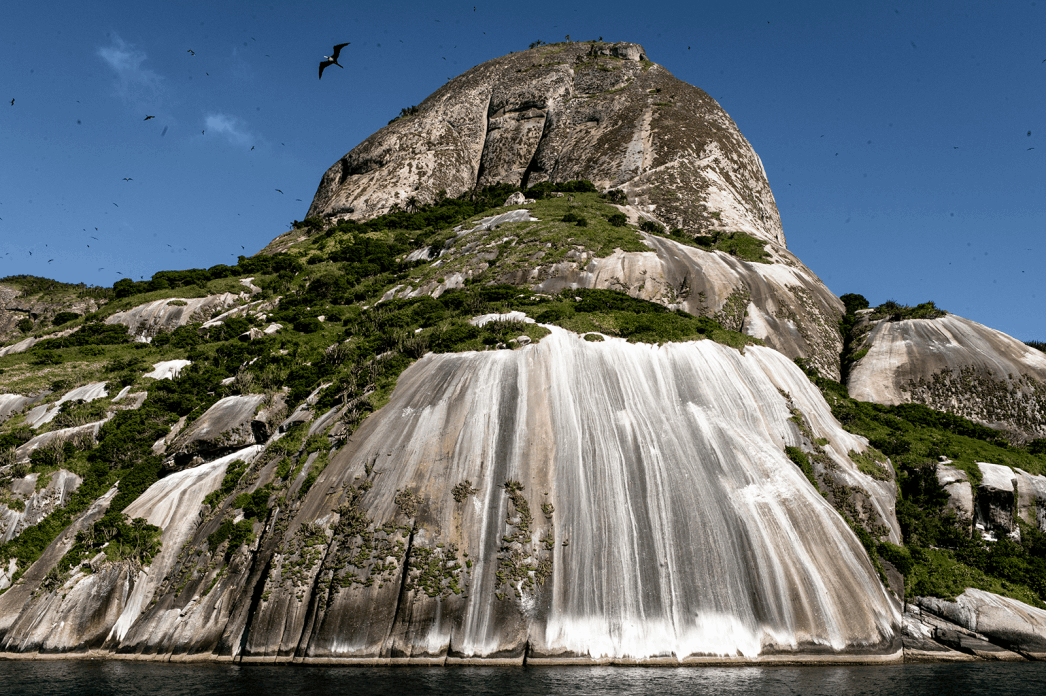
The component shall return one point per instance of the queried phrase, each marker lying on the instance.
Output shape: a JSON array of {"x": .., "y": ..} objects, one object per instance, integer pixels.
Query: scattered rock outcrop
[
  {"x": 1003, "y": 622},
  {"x": 147, "y": 320},
  {"x": 36, "y": 502}
]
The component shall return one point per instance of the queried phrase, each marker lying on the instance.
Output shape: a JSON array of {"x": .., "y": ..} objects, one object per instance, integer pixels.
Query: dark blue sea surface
[{"x": 44, "y": 678}]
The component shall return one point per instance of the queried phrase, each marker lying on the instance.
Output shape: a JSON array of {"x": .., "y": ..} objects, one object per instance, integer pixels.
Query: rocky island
[{"x": 537, "y": 380}]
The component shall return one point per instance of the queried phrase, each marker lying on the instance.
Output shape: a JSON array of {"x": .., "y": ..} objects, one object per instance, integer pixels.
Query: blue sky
[{"x": 895, "y": 135}]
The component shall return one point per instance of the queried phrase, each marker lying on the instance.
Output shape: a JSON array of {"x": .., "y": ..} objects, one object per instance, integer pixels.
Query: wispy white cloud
[
  {"x": 231, "y": 128},
  {"x": 138, "y": 86}
]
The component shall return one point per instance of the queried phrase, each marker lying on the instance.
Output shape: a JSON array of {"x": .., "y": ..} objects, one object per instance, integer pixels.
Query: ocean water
[{"x": 83, "y": 677}]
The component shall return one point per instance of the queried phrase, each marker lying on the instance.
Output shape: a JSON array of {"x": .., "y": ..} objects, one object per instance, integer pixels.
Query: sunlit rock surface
[
  {"x": 675, "y": 525},
  {"x": 1004, "y": 621},
  {"x": 225, "y": 426},
  {"x": 600, "y": 112},
  {"x": 783, "y": 303},
  {"x": 956, "y": 484},
  {"x": 167, "y": 369},
  {"x": 36, "y": 504},
  {"x": 45, "y": 413},
  {"x": 95, "y": 607},
  {"x": 656, "y": 517},
  {"x": 146, "y": 320},
  {"x": 956, "y": 365}
]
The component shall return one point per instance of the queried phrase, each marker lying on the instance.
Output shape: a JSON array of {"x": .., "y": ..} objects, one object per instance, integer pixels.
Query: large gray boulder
[
  {"x": 1004, "y": 621},
  {"x": 956, "y": 484},
  {"x": 996, "y": 501}
]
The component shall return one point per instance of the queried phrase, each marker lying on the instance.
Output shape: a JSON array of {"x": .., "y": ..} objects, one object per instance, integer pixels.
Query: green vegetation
[
  {"x": 463, "y": 490},
  {"x": 942, "y": 555},
  {"x": 740, "y": 244},
  {"x": 891, "y": 311},
  {"x": 53, "y": 290}
]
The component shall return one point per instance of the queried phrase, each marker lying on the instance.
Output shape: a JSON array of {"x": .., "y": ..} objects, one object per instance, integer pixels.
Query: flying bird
[
  {"x": 148, "y": 117},
  {"x": 332, "y": 59},
  {"x": 116, "y": 205},
  {"x": 279, "y": 190},
  {"x": 192, "y": 52},
  {"x": 127, "y": 178}
]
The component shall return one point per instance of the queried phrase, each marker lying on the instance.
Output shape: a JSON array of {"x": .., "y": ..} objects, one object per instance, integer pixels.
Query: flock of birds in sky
[{"x": 327, "y": 61}]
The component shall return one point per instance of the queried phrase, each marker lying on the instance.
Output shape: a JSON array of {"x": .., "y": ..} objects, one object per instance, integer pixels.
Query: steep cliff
[
  {"x": 595, "y": 111},
  {"x": 567, "y": 501},
  {"x": 953, "y": 364}
]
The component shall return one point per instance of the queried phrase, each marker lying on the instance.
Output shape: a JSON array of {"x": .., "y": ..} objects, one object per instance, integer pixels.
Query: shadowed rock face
[
  {"x": 225, "y": 426},
  {"x": 956, "y": 365},
  {"x": 557, "y": 113}
]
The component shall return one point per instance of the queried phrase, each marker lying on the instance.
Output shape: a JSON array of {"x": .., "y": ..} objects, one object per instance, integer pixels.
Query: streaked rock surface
[
  {"x": 1005, "y": 621},
  {"x": 225, "y": 426},
  {"x": 656, "y": 517},
  {"x": 956, "y": 365}
]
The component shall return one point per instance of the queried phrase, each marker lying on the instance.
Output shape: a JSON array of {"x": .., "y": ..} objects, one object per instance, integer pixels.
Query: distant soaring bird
[
  {"x": 332, "y": 59},
  {"x": 127, "y": 178},
  {"x": 192, "y": 52},
  {"x": 279, "y": 190},
  {"x": 148, "y": 117}
]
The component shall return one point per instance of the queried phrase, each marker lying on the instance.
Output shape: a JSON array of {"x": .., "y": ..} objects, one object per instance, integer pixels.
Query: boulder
[
  {"x": 1004, "y": 621},
  {"x": 167, "y": 369},
  {"x": 956, "y": 484},
  {"x": 516, "y": 198},
  {"x": 1031, "y": 498},
  {"x": 995, "y": 511},
  {"x": 224, "y": 427}
]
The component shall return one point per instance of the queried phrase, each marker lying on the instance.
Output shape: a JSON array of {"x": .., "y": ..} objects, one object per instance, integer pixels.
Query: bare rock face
[
  {"x": 996, "y": 499},
  {"x": 1007, "y": 622},
  {"x": 225, "y": 426},
  {"x": 956, "y": 365},
  {"x": 555, "y": 113},
  {"x": 784, "y": 303},
  {"x": 956, "y": 484},
  {"x": 149, "y": 319},
  {"x": 35, "y": 504},
  {"x": 568, "y": 502}
]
